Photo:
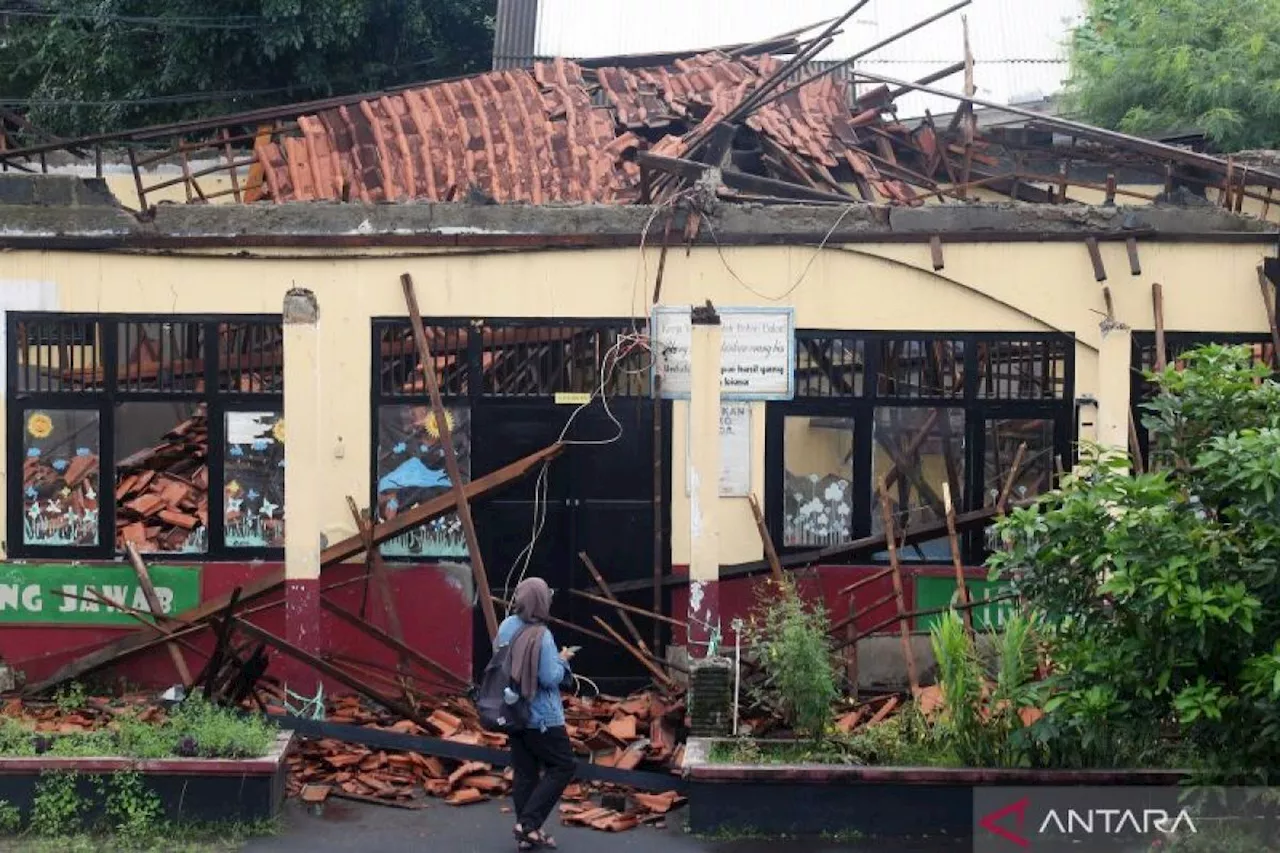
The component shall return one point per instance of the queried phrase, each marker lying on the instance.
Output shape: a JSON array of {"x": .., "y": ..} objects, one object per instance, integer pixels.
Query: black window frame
[
  {"x": 104, "y": 400},
  {"x": 476, "y": 396},
  {"x": 861, "y": 409},
  {"x": 1175, "y": 344}
]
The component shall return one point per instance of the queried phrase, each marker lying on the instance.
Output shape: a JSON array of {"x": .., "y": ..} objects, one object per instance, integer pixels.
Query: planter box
[
  {"x": 190, "y": 789},
  {"x": 905, "y": 802}
]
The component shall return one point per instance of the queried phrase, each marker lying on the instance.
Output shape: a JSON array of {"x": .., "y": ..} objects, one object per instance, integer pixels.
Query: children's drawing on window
[
  {"x": 411, "y": 470},
  {"x": 60, "y": 478},
  {"x": 254, "y": 480}
]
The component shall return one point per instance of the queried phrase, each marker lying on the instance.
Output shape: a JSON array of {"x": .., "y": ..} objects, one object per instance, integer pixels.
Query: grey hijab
[{"x": 532, "y": 603}]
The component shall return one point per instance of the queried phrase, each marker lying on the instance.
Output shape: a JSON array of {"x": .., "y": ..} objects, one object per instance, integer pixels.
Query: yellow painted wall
[{"x": 984, "y": 287}]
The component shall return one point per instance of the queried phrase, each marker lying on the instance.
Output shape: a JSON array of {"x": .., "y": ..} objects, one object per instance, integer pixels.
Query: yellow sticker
[{"x": 567, "y": 398}]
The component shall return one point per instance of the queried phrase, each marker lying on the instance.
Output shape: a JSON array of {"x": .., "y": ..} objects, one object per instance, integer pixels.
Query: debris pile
[
  {"x": 162, "y": 492},
  {"x": 625, "y": 734}
]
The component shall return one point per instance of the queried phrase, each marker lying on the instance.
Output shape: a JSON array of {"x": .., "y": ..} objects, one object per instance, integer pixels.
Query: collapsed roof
[{"x": 739, "y": 122}]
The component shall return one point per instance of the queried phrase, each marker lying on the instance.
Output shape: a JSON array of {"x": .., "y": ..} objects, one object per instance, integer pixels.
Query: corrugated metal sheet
[
  {"x": 514, "y": 32},
  {"x": 1019, "y": 45},
  {"x": 521, "y": 136}
]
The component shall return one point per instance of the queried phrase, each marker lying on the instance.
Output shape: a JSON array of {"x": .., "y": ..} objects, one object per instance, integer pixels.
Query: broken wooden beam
[
  {"x": 333, "y": 555},
  {"x": 450, "y": 453},
  {"x": 886, "y": 517},
  {"x": 326, "y": 669},
  {"x": 608, "y": 594},
  {"x": 691, "y": 170},
  {"x": 638, "y": 654},
  {"x": 770, "y": 553},
  {"x": 157, "y": 612},
  {"x": 398, "y": 644}
]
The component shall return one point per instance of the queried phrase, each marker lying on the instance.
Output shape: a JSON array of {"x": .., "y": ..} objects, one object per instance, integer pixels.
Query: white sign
[
  {"x": 735, "y": 452},
  {"x": 757, "y": 356}
]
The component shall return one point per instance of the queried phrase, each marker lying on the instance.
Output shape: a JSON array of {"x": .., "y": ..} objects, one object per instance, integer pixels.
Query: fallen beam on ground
[
  {"x": 157, "y": 612},
  {"x": 387, "y": 740}
]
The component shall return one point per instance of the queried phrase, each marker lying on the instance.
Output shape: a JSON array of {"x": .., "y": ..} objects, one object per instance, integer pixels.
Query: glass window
[
  {"x": 162, "y": 477},
  {"x": 817, "y": 487},
  {"x": 253, "y": 511},
  {"x": 917, "y": 450},
  {"x": 60, "y": 477},
  {"x": 411, "y": 470},
  {"x": 1035, "y": 473}
]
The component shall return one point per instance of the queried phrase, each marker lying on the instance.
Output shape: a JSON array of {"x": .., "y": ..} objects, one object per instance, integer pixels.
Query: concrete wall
[{"x": 1012, "y": 287}]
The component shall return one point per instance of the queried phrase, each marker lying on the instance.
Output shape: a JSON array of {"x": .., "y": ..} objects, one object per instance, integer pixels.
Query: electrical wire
[
  {"x": 804, "y": 273},
  {"x": 608, "y": 366}
]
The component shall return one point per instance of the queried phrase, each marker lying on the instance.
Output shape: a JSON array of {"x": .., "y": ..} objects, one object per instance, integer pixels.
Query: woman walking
[{"x": 541, "y": 756}]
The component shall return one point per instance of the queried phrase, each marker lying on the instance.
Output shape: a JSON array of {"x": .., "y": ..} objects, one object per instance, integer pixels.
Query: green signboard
[
  {"x": 934, "y": 592},
  {"x": 30, "y": 594}
]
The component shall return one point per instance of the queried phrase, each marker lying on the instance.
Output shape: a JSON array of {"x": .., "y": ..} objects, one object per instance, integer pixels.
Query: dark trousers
[{"x": 543, "y": 765}]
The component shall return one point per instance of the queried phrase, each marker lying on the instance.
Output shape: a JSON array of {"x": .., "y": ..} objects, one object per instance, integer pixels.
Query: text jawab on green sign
[{"x": 54, "y": 593}]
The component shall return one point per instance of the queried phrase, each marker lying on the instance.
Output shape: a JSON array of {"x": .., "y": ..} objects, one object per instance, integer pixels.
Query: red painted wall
[{"x": 435, "y": 613}]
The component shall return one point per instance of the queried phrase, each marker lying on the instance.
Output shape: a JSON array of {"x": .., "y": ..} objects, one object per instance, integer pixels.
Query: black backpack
[{"x": 496, "y": 713}]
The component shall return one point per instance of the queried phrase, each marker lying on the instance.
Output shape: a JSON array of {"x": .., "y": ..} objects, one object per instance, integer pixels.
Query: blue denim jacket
[{"x": 546, "y": 710}]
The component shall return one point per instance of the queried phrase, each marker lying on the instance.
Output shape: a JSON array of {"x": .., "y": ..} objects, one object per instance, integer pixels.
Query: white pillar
[
  {"x": 704, "y": 471},
  {"x": 1114, "y": 358}
]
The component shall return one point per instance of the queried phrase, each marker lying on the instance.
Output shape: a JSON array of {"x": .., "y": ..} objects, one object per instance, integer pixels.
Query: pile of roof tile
[
  {"x": 559, "y": 132},
  {"x": 621, "y": 733},
  {"x": 162, "y": 492},
  {"x": 90, "y": 715}
]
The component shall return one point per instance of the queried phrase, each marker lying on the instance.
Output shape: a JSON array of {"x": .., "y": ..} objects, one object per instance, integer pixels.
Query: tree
[
  {"x": 86, "y": 66},
  {"x": 1146, "y": 66}
]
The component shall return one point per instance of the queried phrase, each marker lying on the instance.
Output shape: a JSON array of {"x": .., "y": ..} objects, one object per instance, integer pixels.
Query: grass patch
[
  {"x": 162, "y": 837},
  {"x": 195, "y": 729}
]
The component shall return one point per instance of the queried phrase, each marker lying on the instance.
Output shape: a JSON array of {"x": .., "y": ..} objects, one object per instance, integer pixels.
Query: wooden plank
[
  {"x": 331, "y": 556},
  {"x": 157, "y": 611},
  {"x": 1135, "y": 263},
  {"x": 327, "y": 669},
  {"x": 1268, "y": 301},
  {"x": 639, "y": 611},
  {"x": 1157, "y": 306},
  {"x": 657, "y": 674},
  {"x": 956, "y": 560},
  {"x": 770, "y": 553},
  {"x": 436, "y": 507},
  {"x": 377, "y": 571},
  {"x": 401, "y": 648},
  {"x": 450, "y": 454},
  {"x": 904, "y": 631},
  {"x": 1007, "y": 489},
  {"x": 612, "y": 599}
]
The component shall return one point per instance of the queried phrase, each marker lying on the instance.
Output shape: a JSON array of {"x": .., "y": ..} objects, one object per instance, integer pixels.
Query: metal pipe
[{"x": 862, "y": 53}]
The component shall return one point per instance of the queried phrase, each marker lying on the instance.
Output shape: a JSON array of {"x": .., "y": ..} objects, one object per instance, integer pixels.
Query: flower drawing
[{"x": 277, "y": 431}]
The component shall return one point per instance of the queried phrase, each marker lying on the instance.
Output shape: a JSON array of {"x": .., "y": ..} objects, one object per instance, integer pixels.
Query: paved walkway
[{"x": 358, "y": 828}]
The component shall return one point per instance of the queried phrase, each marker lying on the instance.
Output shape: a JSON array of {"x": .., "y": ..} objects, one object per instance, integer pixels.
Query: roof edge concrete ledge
[{"x": 66, "y": 212}]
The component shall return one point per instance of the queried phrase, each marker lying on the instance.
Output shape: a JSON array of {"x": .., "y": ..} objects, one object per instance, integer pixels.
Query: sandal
[{"x": 532, "y": 840}]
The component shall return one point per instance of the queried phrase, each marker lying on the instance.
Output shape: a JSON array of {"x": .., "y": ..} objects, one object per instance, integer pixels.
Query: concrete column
[
  {"x": 704, "y": 473},
  {"x": 1114, "y": 356},
  {"x": 302, "y": 483}
]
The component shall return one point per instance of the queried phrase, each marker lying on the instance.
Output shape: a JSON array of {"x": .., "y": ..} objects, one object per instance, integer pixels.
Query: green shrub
[
  {"x": 980, "y": 720},
  {"x": 57, "y": 808},
  {"x": 133, "y": 810},
  {"x": 1161, "y": 592},
  {"x": 220, "y": 732},
  {"x": 10, "y": 818},
  {"x": 789, "y": 637}
]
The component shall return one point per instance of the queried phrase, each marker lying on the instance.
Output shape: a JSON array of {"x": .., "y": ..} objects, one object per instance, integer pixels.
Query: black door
[{"x": 595, "y": 498}]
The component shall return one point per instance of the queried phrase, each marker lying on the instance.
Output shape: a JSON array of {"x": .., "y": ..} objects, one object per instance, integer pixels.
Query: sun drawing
[
  {"x": 277, "y": 431},
  {"x": 432, "y": 428},
  {"x": 40, "y": 425}
]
